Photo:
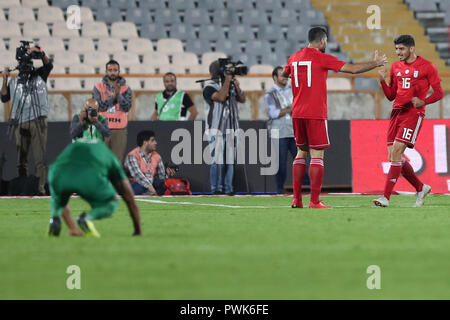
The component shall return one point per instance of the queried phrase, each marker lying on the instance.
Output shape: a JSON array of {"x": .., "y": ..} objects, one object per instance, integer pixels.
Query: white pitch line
[{"x": 205, "y": 204}]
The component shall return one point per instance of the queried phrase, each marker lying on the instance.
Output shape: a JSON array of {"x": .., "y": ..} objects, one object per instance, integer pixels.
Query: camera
[
  {"x": 172, "y": 166},
  {"x": 23, "y": 56},
  {"x": 239, "y": 69},
  {"x": 91, "y": 112}
]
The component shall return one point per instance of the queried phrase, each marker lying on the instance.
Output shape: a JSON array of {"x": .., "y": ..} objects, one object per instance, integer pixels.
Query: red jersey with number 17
[{"x": 309, "y": 70}]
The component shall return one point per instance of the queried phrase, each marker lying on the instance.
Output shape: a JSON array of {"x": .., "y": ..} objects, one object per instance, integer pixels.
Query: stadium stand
[
  {"x": 149, "y": 36},
  {"x": 50, "y": 14}
]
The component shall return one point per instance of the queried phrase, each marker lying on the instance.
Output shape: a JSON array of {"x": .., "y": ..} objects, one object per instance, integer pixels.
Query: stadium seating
[
  {"x": 139, "y": 45},
  {"x": 60, "y": 30},
  {"x": 81, "y": 45},
  {"x": 50, "y": 14},
  {"x": 123, "y": 30},
  {"x": 9, "y": 3},
  {"x": 9, "y": 29},
  {"x": 34, "y": 3},
  {"x": 35, "y": 29},
  {"x": 95, "y": 30},
  {"x": 138, "y": 15},
  {"x": 109, "y": 15},
  {"x": 110, "y": 45},
  {"x": 169, "y": 46},
  {"x": 20, "y": 14}
]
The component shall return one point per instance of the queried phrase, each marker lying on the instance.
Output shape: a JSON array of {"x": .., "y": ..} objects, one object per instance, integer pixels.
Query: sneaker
[
  {"x": 381, "y": 202},
  {"x": 319, "y": 205},
  {"x": 87, "y": 226},
  {"x": 296, "y": 203},
  {"x": 55, "y": 227},
  {"x": 421, "y": 195}
]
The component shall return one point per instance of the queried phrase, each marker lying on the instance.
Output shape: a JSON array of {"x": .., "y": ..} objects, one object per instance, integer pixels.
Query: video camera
[
  {"x": 25, "y": 64},
  {"x": 225, "y": 64}
]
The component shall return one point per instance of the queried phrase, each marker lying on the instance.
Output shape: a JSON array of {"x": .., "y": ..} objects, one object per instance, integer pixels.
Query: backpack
[{"x": 177, "y": 187}]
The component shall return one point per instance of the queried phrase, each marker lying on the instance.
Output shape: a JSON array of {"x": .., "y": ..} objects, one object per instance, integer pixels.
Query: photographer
[
  {"x": 29, "y": 100},
  {"x": 145, "y": 166},
  {"x": 222, "y": 120},
  {"x": 89, "y": 124}
]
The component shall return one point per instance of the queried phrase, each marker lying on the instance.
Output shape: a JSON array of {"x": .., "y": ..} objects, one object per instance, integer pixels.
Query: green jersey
[{"x": 94, "y": 154}]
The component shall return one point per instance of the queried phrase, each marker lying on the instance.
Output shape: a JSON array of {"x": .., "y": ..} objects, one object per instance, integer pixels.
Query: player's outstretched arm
[
  {"x": 354, "y": 68},
  {"x": 389, "y": 91},
  {"x": 123, "y": 187}
]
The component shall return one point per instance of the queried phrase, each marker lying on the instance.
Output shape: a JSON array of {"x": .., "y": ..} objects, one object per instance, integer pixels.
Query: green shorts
[{"x": 97, "y": 190}]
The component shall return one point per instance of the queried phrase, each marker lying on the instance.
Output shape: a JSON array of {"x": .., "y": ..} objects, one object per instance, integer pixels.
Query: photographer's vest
[
  {"x": 90, "y": 131},
  {"x": 284, "y": 123},
  {"x": 26, "y": 106},
  {"x": 150, "y": 170},
  {"x": 169, "y": 110},
  {"x": 117, "y": 119}
]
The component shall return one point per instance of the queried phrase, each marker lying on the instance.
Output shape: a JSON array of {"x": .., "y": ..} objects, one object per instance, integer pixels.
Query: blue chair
[
  {"x": 152, "y": 4},
  {"x": 183, "y": 32},
  {"x": 63, "y": 4},
  {"x": 195, "y": 17},
  {"x": 166, "y": 17},
  {"x": 108, "y": 15},
  {"x": 123, "y": 4},
  {"x": 95, "y": 4},
  {"x": 153, "y": 32},
  {"x": 138, "y": 15}
]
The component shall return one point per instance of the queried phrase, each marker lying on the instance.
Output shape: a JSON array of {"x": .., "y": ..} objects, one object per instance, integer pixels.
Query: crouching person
[{"x": 145, "y": 166}]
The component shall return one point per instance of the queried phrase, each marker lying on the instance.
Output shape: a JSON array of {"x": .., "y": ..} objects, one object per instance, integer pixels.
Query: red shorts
[
  {"x": 404, "y": 126},
  {"x": 312, "y": 133}
]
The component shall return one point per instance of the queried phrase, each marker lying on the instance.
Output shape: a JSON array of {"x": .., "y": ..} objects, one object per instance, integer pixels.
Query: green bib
[
  {"x": 171, "y": 110},
  {"x": 90, "y": 131}
]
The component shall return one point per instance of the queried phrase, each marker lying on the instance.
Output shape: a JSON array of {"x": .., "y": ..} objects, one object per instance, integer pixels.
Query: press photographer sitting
[
  {"x": 89, "y": 124},
  {"x": 29, "y": 100},
  {"x": 145, "y": 166}
]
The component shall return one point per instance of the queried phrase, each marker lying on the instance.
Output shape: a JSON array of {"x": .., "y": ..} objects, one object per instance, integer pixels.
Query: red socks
[
  {"x": 392, "y": 177},
  {"x": 316, "y": 177},
  {"x": 298, "y": 171},
  {"x": 410, "y": 175}
]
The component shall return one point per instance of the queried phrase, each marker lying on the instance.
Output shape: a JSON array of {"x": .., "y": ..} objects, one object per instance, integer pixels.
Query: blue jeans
[
  {"x": 157, "y": 184},
  {"x": 222, "y": 171}
]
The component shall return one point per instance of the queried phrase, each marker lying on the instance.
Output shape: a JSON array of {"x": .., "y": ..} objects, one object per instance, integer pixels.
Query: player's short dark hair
[
  {"x": 112, "y": 62},
  {"x": 214, "y": 69},
  {"x": 275, "y": 71},
  {"x": 144, "y": 135},
  {"x": 169, "y": 74},
  {"x": 316, "y": 34},
  {"x": 406, "y": 40}
]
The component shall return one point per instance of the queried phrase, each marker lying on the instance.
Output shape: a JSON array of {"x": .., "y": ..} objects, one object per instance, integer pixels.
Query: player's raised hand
[
  {"x": 382, "y": 74},
  {"x": 380, "y": 60}
]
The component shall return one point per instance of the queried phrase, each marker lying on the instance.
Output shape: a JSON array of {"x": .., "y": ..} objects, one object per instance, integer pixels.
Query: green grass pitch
[{"x": 209, "y": 248}]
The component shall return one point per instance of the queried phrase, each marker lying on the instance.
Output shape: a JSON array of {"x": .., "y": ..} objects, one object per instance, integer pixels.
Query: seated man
[
  {"x": 89, "y": 124},
  {"x": 146, "y": 167}
]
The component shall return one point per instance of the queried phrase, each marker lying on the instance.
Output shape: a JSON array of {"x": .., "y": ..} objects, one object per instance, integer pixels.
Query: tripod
[{"x": 27, "y": 122}]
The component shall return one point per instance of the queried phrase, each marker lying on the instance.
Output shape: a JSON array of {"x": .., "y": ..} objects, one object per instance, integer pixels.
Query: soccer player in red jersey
[
  {"x": 308, "y": 69},
  {"x": 410, "y": 81}
]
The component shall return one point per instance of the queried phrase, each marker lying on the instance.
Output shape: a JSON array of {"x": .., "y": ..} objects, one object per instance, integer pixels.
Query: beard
[{"x": 113, "y": 77}]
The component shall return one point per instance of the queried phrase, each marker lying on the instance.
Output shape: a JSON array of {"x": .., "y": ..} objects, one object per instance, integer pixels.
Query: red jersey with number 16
[
  {"x": 410, "y": 80},
  {"x": 309, "y": 69}
]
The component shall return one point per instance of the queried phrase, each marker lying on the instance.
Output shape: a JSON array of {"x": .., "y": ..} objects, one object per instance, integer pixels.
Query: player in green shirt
[{"x": 87, "y": 167}]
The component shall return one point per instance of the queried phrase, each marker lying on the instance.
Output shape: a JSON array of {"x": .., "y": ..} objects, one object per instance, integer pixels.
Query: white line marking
[{"x": 205, "y": 204}]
